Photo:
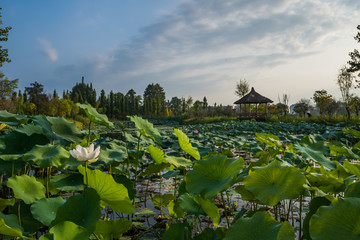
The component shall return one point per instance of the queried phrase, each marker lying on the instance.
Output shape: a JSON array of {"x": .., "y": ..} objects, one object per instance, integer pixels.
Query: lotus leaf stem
[{"x": 224, "y": 206}]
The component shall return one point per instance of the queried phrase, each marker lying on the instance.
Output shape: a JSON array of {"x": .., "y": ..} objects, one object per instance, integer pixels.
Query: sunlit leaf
[
  {"x": 146, "y": 128},
  {"x": 47, "y": 155},
  {"x": 111, "y": 193},
  {"x": 275, "y": 182},
  {"x": 94, "y": 116},
  {"x": 9, "y": 225},
  {"x": 70, "y": 231},
  {"x": 157, "y": 154},
  {"x": 5, "y": 203},
  {"x": 26, "y": 188},
  {"x": 186, "y": 145},
  {"x": 113, "y": 229},
  {"x": 213, "y": 175}
]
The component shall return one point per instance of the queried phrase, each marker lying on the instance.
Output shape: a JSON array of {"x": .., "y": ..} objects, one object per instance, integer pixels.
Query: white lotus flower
[{"x": 86, "y": 153}]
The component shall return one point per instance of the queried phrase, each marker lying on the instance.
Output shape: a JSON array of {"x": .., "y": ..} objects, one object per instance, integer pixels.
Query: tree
[
  {"x": 322, "y": 100},
  {"x": 38, "y": 97},
  {"x": 283, "y": 104},
  {"x": 83, "y": 93},
  {"x": 302, "y": 107},
  {"x": 242, "y": 87},
  {"x": 154, "y": 100},
  {"x": 4, "y": 33},
  {"x": 7, "y": 86},
  {"x": 345, "y": 82},
  {"x": 355, "y": 57}
]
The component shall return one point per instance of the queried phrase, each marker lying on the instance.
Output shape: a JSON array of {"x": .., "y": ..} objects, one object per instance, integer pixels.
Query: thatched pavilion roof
[{"x": 253, "y": 97}]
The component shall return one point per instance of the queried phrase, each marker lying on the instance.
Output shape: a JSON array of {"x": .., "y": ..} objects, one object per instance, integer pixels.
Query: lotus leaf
[
  {"x": 179, "y": 162},
  {"x": 196, "y": 205},
  {"x": 47, "y": 155},
  {"x": 109, "y": 156},
  {"x": 68, "y": 182},
  {"x": 112, "y": 229},
  {"x": 353, "y": 190},
  {"x": 269, "y": 139},
  {"x": 83, "y": 210},
  {"x": 28, "y": 222},
  {"x": 144, "y": 212},
  {"x": 9, "y": 225},
  {"x": 5, "y": 203},
  {"x": 69, "y": 231},
  {"x": 185, "y": 145},
  {"x": 178, "y": 231},
  {"x": 122, "y": 179},
  {"x": 111, "y": 193},
  {"x": 340, "y": 149},
  {"x": 96, "y": 117},
  {"x": 352, "y": 168},
  {"x": 260, "y": 226},
  {"x": 275, "y": 182},
  {"x": 5, "y": 116},
  {"x": 44, "y": 210},
  {"x": 213, "y": 175},
  {"x": 340, "y": 220},
  {"x": 146, "y": 128},
  {"x": 26, "y": 188},
  {"x": 162, "y": 200},
  {"x": 157, "y": 154}
]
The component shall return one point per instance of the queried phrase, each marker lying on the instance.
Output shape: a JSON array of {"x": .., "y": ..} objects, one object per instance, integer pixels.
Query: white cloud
[
  {"x": 207, "y": 45},
  {"x": 48, "y": 50}
]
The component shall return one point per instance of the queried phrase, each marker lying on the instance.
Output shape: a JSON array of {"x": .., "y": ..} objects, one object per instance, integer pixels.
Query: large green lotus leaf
[
  {"x": 195, "y": 205},
  {"x": 69, "y": 231},
  {"x": 112, "y": 229},
  {"x": 340, "y": 171},
  {"x": 175, "y": 211},
  {"x": 5, "y": 116},
  {"x": 162, "y": 200},
  {"x": 29, "y": 134},
  {"x": 157, "y": 154},
  {"x": 340, "y": 149},
  {"x": 47, "y": 155},
  {"x": 6, "y": 202},
  {"x": 109, "y": 156},
  {"x": 68, "y": 182},
  {"x": 326, "y": 183},
  {"x": 96, "y": 117},
  {"x": 315, "y": 150},
  {"x": 154, "y": 169},
  {"x": 178, "y": 231},
  {"x": 315, "y": 204},
  {"x": 275, "y": 182},
  {"x": 246, "y": 195},
  {"x": 26, "y": 188},
  {"x": 185, "y": 145},
  {"x": 353, "y": 190},
  {"x": 269, "y": 139},
  {"x": 355, "y": 133},
  {"x": 146, "y": 128},
  {"x": 213, "y": 175},
  {"x": 65, "y": 129},
  {"x": 352, "y": 168},
  {"x": 179, "y": 162},
  {"x": 44, "y": 210},
  {"x": 260, "y": 226},
  {"x": 340, "y": 220},
  {"x": 9, "y": 225},
  {"x": 82, "y": 209},
  {"x": 111, "y": 193}
]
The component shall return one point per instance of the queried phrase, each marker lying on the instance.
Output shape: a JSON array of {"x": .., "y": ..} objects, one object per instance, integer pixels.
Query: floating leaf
[
  {"x": 83, "y": 210},
  {"x": 69, "y": 231},
  {"x": 44, "y": 210},
  {"x": 113, "y": 229},
  {"x": 340, "y": 220},
  {"x": 9, "y": 225},
  {"x": 260, "y": 226},
  {"x": 94, "y": 116},
  {"x": 275, "y": 182},
  {"x": 47, "y": 155},
  {"x": 26, "y": 188},
  {"x": 144, "y": 212},
  {"x": 213, "y": 175},
  {"x": 186, "y": 145},
  {"x": 111, "y": 193}
]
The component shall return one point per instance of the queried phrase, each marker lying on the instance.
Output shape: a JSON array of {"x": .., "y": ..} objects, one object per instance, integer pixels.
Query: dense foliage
[{"x": 216, "y": 181}]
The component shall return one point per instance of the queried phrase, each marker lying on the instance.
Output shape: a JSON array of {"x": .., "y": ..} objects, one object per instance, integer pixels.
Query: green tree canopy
[{"x": 4, "y": 33}]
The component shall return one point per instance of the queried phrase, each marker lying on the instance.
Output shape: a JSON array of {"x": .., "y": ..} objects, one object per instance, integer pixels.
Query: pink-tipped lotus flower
[{"x": 86, "y": 153}]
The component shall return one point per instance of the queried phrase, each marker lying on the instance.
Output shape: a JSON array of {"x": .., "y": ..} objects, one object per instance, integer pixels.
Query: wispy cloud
[
  {"x": 210, "y": 44},
  {"x": 48, "y": 50}
]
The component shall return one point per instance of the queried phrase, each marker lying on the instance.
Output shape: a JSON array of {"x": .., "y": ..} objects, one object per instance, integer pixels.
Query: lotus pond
[{"x": 231, "y": 180}]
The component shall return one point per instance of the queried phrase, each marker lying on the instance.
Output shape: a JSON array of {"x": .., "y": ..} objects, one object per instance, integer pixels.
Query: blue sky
[{"x": 192, "y": 48}]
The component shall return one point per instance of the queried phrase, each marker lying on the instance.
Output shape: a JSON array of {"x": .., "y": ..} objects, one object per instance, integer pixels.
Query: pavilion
[{"x": 251, "y": 99}]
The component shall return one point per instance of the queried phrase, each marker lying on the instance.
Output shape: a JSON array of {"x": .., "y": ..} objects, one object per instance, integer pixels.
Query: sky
[{"x": 191, "y": 48}]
